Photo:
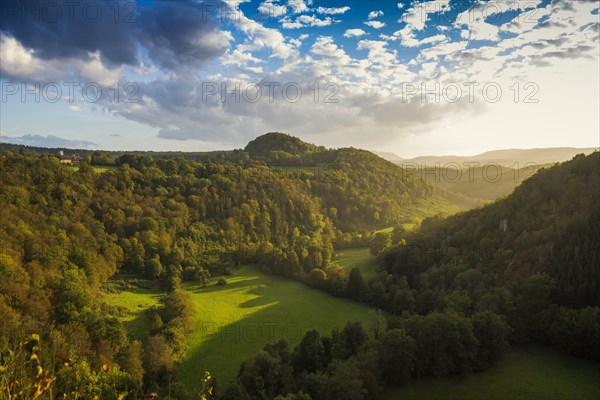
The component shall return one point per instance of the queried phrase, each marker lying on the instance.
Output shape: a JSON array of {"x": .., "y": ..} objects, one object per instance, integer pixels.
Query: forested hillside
[
  {"x": 532, "y": 258},
  {"x": 458, "y": 290},
  {"x": 65, "y": 231}
]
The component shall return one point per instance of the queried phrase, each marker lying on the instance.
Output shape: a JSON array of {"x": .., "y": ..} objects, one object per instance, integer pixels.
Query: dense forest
[
  {"x": 65, "y": 231},
  {"x": 458, "y": 291},
  {"x": 478, "y": 279}
]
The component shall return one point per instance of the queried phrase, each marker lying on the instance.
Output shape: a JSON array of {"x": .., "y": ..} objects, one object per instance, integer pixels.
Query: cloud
[
  {"x": 375, "y": 14},
  {"x": 170, "y": 34},
  {"x": 18, "y": 61},
  {"x": 74, "y": 108},
  {"x": 306, "y": 20},
  {"x": 49, "y": 141},
  {"x": 366, "y": 82},
  {"x": 272, "y": 9},
  {"x": 416, "y": 18},
  {"x": 354, "y": 33},
  {"x": 298, "y": 6},
  {"x": 239, "y": 58},
  {"x": 24, "y": 64},
  {"x": 377, "y": 51},
  {"x": 375, "y": 24},
  {"x": 332, "y": 10}
]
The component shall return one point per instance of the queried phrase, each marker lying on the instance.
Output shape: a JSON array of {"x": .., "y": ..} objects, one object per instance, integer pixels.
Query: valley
[{"x": 291, "y": 269}]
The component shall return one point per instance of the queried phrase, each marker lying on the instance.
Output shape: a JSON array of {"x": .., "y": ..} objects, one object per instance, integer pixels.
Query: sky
[{"x": 409, "y": 77}]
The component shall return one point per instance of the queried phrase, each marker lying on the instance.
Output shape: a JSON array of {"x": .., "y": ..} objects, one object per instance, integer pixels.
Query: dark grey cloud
[
  {"x": 179, "y": 33},
  {"x": 170, "y": 33},
  {"x": 49, "y": 141},
  {"x": 571, "y": 53}
]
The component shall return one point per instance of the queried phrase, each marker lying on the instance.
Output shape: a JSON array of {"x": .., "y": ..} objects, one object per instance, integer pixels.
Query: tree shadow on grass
[
  {"x": 257, "y": 302},
  {"x": 231, "y": 286},
  {"x": 281, "y": 309}
]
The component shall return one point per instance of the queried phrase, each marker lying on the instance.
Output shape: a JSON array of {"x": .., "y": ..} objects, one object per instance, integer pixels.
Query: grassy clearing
[
  {"x": 133, "y": 301},
  {"x": 531, "y": 372},
  {"x": 359, "y": 257},
  {"x": 407, "y": 226},
  {"x": 103, "y": 168},
  {"x": 97, "y": 168},
  {"x": 236, "y": 320}
]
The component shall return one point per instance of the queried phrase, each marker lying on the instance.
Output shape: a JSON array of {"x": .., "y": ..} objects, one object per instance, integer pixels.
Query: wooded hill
[
  {"x": 525, "y": 268},
  {"x": 66, "y": 230},
  {"x": 532, "y": 257}
]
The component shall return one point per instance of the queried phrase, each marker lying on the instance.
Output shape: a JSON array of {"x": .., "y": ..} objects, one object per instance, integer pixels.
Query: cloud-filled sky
[{"x": 411, "y": 77}]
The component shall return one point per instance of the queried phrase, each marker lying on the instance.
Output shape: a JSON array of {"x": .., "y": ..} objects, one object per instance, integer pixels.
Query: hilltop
[{"x": 277, "y": 146}]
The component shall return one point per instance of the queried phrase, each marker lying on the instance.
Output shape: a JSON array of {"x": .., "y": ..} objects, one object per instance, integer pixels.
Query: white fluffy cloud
[
  {"x": 298, "y": 6},
  {"x": 417, "y": 17},
  {"x": 272, "y": 9},
  {"x": 375, "y": 14},
  {"x": 375, "y": 24},
  {"x": 354, "y": 33},
  {"x": 306, "y": 20},
  {"x": 332, "y": 10}
]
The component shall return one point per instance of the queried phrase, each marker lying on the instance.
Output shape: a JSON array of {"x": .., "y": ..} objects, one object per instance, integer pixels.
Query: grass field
[
  {"x": 97, "y": 168},
  {"x": 531, "y": 372},
  {"x": 133, "y": 301},
  {"x": 360, "y": 257},
  {"x": 390, "y": 229},
  {"x": 103, "y": 168},
  {"x": 236, "y": 320}
]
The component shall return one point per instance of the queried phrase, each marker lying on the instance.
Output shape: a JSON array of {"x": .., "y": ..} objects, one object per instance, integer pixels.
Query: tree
[
  {"x": 315, "y": 385},
  {"x": 349, "y": 340},
  {"x": 159, "y": 360},
  {"x": 380, "y": 242},
  {"x": 154, "y": 268},
  {"x": 133, "y": 360},
  {"x": 317, "y": 278},
  {"x": 491, "y": 331},
  {"x": 75, "y": 302},
  {"x": 179, "y": 306},
  {"x": 397, "y": 354},
  {"x": 261, "y": 375},
  {"x": 309, "y": 354},
  {"x": 202, "y": 276},
  {"x": 345, "y": 381},
  {"x": 356, "y": 287},
  {"x": 378, "y": 323}
]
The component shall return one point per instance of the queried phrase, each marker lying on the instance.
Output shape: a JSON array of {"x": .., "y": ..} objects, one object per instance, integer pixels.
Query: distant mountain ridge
[
  {"x": 388, "y": 155},
  {"x": 506, "y": 158}
]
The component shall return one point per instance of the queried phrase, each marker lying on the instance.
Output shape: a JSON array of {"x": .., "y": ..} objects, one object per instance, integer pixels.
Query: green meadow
[
  {"x": 133, "y": 301},
  {"x": 349, "y": 259},
  {"x": 236, "y": 320},
  {"x": 531, "y": 372}
]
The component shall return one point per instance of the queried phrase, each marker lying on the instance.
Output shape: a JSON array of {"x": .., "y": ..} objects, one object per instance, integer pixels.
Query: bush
[{"x": 222, "y": 282}]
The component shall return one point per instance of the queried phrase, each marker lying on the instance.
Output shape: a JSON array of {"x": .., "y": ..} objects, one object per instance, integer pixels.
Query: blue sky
[{"x": 197, "y": 75}]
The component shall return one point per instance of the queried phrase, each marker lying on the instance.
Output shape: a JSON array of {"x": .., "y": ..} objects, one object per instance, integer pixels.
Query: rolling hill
[{"x": 511, "y": 158}]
